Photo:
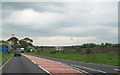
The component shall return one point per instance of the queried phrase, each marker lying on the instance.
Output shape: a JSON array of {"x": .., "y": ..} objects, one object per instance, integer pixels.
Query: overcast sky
[{"x": 61, "y": 23}]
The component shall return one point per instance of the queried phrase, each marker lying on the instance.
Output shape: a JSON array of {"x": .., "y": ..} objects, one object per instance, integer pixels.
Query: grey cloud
[
  {"x": 85, "y": 20},
  {"x": 38, "y": 6}
]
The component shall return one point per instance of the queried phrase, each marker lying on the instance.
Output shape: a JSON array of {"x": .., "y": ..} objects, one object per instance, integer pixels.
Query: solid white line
[{"x": 6, "y": 62}]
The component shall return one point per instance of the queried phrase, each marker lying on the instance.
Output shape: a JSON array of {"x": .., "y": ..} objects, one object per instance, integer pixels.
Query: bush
[{"x": 88, "y": 51}]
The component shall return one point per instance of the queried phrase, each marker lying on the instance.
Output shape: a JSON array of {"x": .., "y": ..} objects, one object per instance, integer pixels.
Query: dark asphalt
[
  {"x": 91, "y": 68},
  {"x": 22, "y": 66}
]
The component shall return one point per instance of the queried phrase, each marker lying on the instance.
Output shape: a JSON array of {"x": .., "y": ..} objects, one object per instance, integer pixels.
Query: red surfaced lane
[{"x": 53, "y": 67}]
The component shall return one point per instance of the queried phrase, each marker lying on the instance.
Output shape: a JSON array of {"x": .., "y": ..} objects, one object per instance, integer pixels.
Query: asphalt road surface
[
  {"x": 23, "y": 66},
  {"x": 20, "y": 65},
  {"x": 88, "y": 68}
]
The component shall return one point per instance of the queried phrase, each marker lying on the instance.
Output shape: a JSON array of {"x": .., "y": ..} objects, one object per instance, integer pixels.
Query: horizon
[{"x": 70, "y": 45}]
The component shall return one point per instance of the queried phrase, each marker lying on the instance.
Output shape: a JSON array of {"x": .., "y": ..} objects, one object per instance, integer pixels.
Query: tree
[
  {"x": 26, "y": 42},
  {"x": 92, "y": 45},
  {"x": 14, "y": 41},
  {"x": 108, "y": 45},
  {"x": 23, "y": 43},
  {"x": 102, "y": 45}
]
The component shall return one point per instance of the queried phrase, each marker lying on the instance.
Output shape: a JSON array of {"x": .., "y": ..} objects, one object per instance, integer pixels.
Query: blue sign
[{"x": 3, "y": 48}]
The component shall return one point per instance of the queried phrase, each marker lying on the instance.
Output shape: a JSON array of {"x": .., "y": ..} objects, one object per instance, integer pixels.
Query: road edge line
[
  {"x": 45, "y": 70},
  {"x": 6, "y": 62}
]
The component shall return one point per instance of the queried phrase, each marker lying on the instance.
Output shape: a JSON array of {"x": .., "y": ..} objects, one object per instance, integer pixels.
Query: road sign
[{"x": 3, "y": 48}]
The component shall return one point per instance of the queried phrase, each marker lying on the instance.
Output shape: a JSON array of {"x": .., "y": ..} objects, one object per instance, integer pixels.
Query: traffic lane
[
  {"x": 21, "y": 65},
  {"x": 101, "y": 67},
  {"x": 53, "y": 67}
]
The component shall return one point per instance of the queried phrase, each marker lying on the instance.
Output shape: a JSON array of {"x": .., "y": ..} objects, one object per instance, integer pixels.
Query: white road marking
[
  {"x": 39, "y": 66},
  {"x": 77, "y": 68},
  {"x": 84, "y": 71},
  {"x": 81, "y": 70},
  {"x": 89, "y": 68},
  {"x": 33, "y": 62},
  {"x": 5, "y": 63},
  {"x": 101, "y": 71},
  {"x": 45, "y": 70},
  {"x": 67, "y": 66},
  {"x": 117, "y": 69}
]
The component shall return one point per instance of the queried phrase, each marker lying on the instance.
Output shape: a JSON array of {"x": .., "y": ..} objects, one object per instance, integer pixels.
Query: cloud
[
  {"x": 29, "y": 17},
  {"x": 54, "y": 21},
  {"x": 60, "y": 1},
  {"x": 63, "y": 40}
]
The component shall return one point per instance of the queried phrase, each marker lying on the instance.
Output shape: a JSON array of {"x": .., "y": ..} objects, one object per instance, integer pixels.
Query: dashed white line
[
  {"x": 101, "y": 71},
  {"x": 89, "y": 68},
  {"x": 81, "y": 70},
  {"x": 94, "y": 69},
  {"x": 117, "y": 69}
]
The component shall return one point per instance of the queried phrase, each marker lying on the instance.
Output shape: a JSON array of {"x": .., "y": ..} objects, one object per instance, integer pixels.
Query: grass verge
[
  {"x": 5, "y": 57},
  {"x": 99, "y": 58}
]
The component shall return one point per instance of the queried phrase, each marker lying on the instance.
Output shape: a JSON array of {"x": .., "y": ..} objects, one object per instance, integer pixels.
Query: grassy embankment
[{"x": 100, "y": 58}]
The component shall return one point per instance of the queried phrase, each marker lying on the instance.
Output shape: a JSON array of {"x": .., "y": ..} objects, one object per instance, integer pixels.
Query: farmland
[{"x": 107, "y": 56}]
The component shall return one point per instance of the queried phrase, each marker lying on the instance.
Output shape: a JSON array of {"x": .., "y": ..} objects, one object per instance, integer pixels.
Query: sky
[{"x": 61, "y": 23}]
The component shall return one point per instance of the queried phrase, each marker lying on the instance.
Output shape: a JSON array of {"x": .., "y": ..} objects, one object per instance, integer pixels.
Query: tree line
[
  {"x": 22, "y": 43},
  {"x": 93, "y": 45}
]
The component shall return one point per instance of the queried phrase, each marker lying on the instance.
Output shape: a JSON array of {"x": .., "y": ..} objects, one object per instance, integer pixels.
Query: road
[
  {"x": 23, "y": 66},
  {"x": 20, "y": 66},
  {"x": 87, "y": 68},
  {"x": 32, "y": 65}
]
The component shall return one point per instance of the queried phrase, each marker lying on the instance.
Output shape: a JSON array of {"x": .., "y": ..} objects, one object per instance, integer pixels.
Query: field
[{"x": 97, "y": 56}]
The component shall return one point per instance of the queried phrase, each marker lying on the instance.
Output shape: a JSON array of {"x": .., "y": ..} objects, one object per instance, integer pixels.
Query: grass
[
  {"x": 5, "y": 57},
  {"x": 99, "y": 58}
]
